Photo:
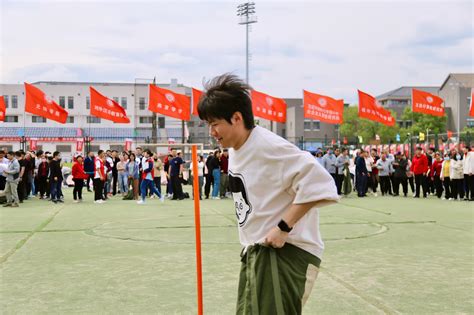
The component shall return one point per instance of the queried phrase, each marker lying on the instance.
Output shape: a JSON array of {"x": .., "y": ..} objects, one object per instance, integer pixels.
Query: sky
[{"x": 327, "y": 47}]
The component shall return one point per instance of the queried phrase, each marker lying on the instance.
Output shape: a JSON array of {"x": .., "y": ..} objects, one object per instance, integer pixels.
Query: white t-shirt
[
  {"x": 266, "y": 176},
  {"x": 97, "y": 166},
  {"x": 200, "y": 168}
]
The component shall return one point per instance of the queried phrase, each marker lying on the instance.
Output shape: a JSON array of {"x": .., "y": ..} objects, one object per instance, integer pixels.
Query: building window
[
  {"x": 88, "y": 102},
  {"x": 93, "y": 120},
  {"x": 38, "y": 119},
  {"x": 70, "y": 120},
  {"x": 70, "y": 102},
  {"x": 14, "y": 101},
  {"x": 12, "y": 119},
  {"x": 470, "y": 123},
  {"x": 5, "y": 97},
  {"x": 62, "y": 101},
  {"x": 116, "y": 99},
  {"x": 146, "y": 120},
  {"x": 307, "y": 125},
  {"x": 141, "y": 103},
  {"x": 123, "y": 102},
  {"x": 161, "y": 122},
  {"x": 408, "y": 124},
  {"x": 317, "y": 125}
]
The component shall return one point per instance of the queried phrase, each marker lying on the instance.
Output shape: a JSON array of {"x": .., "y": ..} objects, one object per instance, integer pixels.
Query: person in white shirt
[
  {"x": 276, "y": 202},
  {"x": 468, "y": 170}
]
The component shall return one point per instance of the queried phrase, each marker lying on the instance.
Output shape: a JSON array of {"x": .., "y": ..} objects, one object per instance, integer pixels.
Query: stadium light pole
[{"x": 246, "y": 12}]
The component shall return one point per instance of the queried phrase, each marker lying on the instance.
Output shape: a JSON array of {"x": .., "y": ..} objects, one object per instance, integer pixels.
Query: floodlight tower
[{"x": 246, "y": 12}]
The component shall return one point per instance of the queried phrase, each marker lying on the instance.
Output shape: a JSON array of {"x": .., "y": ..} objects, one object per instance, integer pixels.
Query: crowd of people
[
  {"x": 131, "y": 175},
  {"x": 446, "y": 175},
  {"x": 137, "y": 175}
]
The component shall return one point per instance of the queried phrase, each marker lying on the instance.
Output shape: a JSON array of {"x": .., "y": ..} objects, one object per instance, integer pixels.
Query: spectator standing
[
  {"x": 55, "y": 177},
  {"x": 78, "y": 176},
  {"x": 420, "y": 170},
  {"x": 224, "y": 166},
  {"x": 12, "y": 178},
  {"x": 457, "y": 176},
  {"x": 89, "y": 169}
]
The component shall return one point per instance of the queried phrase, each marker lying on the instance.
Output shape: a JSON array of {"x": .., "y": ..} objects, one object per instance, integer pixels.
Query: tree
[
  {"x": 354, "y": 126},
  {"x": 423, "y": 123}
]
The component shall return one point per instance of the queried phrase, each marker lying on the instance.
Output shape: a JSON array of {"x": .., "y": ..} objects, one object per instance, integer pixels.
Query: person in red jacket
[
  {"x": 435, "y": 173},
  {"x": 78, "y": 176},
  {"x": 419, "y": 167}
]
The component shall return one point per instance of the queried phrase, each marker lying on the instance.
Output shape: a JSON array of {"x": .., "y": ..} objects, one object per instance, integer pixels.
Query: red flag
[
  {"x": 426, "y": 103},
  {"x": 3, "y": 108},
  {"x": 323, "y": 108},
  {"x": 169, "y": 103},
  {"x": 471, "y": 106},
  {"x": 370, "y": 109},
  {"x": 40, "y": 104},
  {"x": 345, "y": 140},
  {"x": 196, "y": 97},
  {"x": 268, "y": 107},
  {"x": 104, "y": 107},
  {"x": 450, "y": 134}
]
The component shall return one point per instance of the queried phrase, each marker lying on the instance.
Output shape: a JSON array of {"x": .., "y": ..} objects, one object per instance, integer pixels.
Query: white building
[{"x": 75, "y": 98}]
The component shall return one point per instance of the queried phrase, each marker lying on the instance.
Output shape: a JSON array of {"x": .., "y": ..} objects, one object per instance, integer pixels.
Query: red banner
[
  {"x": 3, "y": 108},
  {"x": 426, "y": 103},
  {"x": 196, "y": 97},
  {"x": 128, "y": 144},
  {"x": 268, "y": 107},
  {"x": 33, "y": 144},
  {"x": 323, "y": 108},
  {"x": 471, "y": 107},
  {"x": 80, "y": 143},
  {"x": 169, "y": 103},
  {"x": 38, "y": 103},
  {"x": 370, "y": 108},
  {"x": 106, "y": 108}
]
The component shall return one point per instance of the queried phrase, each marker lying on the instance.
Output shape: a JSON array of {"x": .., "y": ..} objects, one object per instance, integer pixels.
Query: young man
[
  {"x": 147, "y": 178},
  {"x": 12, "y": 174},
  {"x": 278, "y": 218}
]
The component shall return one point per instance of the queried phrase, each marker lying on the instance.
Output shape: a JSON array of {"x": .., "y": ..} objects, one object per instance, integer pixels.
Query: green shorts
[{"x": 275, "y": 281}]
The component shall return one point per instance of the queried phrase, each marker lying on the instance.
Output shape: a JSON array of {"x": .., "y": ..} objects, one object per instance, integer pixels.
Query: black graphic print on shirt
[{"x": 243, "y": 208}]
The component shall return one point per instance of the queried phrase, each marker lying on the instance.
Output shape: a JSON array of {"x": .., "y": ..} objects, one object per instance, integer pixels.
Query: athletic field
[{"x": 383, "y": 255}]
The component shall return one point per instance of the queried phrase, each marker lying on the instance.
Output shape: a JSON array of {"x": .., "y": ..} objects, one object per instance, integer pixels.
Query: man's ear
[{"x": 237, "y": 118}]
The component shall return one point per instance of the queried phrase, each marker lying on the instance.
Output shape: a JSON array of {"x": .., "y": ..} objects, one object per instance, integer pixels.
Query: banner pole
[{"x": 197, "y": 223}]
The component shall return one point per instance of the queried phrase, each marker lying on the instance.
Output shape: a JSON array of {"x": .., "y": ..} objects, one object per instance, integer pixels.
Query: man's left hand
[{"x": 276, "y": 238}]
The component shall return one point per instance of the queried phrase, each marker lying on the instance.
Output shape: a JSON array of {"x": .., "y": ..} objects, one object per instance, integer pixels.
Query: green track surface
[{"x": 383, "y": 255}]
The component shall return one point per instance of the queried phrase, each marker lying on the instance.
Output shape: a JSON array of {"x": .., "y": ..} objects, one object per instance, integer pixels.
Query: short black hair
[
  {"x": 100, "y": 152},
  {"x": 418, "y": 148},
  {"x": 11, "y": 153},
  {"x": 223, "y": 97},
  {"x": 56, "y": 153}
]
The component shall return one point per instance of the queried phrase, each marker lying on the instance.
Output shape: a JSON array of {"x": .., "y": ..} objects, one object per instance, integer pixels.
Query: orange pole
[{"x": 197, "y": 223}]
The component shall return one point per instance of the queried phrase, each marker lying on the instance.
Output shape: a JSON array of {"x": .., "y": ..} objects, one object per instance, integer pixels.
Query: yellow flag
[{"x": 422, "y": 136}]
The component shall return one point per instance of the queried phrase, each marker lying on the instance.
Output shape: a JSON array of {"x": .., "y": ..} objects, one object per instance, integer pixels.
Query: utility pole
[
  {"x": 154, "y": 133},
  {"x": 246, "y": 13}
]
